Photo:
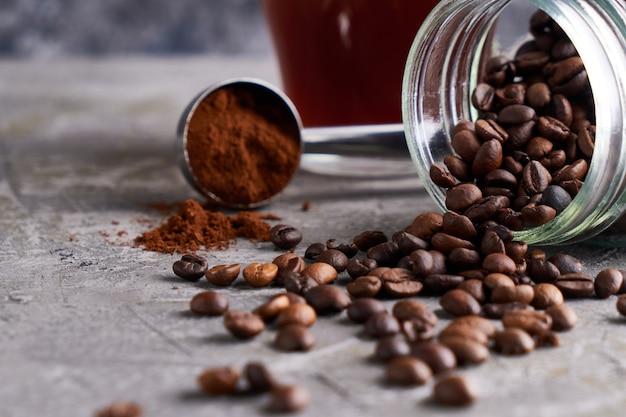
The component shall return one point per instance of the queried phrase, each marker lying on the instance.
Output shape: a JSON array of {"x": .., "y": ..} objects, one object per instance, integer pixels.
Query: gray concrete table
[{"x": 86, "y": 319}]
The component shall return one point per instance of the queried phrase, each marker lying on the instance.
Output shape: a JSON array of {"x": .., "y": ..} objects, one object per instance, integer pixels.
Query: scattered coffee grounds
[
  {"x": 193, "y": 228},
  {"x": 240, "y": 148}
]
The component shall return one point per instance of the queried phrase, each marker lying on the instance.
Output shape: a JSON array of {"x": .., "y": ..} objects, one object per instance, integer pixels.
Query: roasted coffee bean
[
  {"x": 519, "y": 135},
  {"x": 210, "y": 303},
  {"x": 223, "y": 275},
  {"x": 387, "y": 253},
  {"x": 293, "y": 297},
  {"x": 462, "y": 258},
  {"x": 556, "y": 197},
  {"x": 408, "y": 243},
  {"x": 414, "y": 309},
  {"x": 425, "y": 225},
  {"x": 513, "y": 341},
  {"x": 259, "y": 378},
  {"x": 327, "y": 299},
  {"x": 440, "y": 283},
  {"x": 445, "y": 243},
  {"x": 562, "y": 111},
  {"x": 499, "y": 263},
  {"x": 497, "y": 311},
  {"x": 466, "y": 144},
  {"x": 547, "y": 339},
  {"x": 492, "y": 243},
  {"x": 242, "y": 324},
  {"x": 531, "y": 61},
  {"x": 314, "y": 250},
  {"x": 300, "y": 313},
  {"x": 391, "y": 347},
  {"x": 407, "y": 371},
  {"x": 499, "y": 70},
  {"x": 516, "y": 114},
  {"x": 482, "y": 97},
  {"x": 260, "y": 274},
  {"x": 365, "y": 286},
  {"x": 462, "y": 331},
  {"x": 360, "y": 267},
  {"x": 406, "y": 288},
  {"x": 538, "y": 95},
  {"x": 621, "y": 305},
  {"x": 288, "y": 399},
  {"x": 518, "y": 293},
  {"x": 190, "y": 267},
  {"x": 539, "y": 269},
  {"x": 533, "y": 322},
  {"x": 486, "y": 208},
  {"x": 436, "y": 355},
  {"x": 334, "y": 258},
  {"x": 477, "y": 322},
  {"x": 570, "y": 77},
  {"x": 458, "y": 168},
  {"x": 294, "y": 337},
  {"x": 381, "y": 324},
  {"x": 348, "y": 249},
  {"x": 287, "y": 263},
  {"x": 488, "y": 158},
  {"x": 608, "y": 282},
  {"x": 546, "y": 295},
  {"x": 414, "y": 331},
  {"x": 535, "y": 178},
  {"x": 270, "y": 309},
  {"x": 362, "y": 308},
  {"x": 539, "y": 147},
  {"x": 489, "y": 130},
  {"x": 457, "y": 225},
  {"x": 368, "y": 239},
  {"x": 440, "y": 176},
  {"x": 536, "y": 215},
  {"x": 574, "y": 171},
  {"x": 219, "y": 381},
  {"x": 321, "y": 272},
  {"x": 567, "y": 264},
  {"x": 455, "y": 391},
  {"x": 284, "y": 236},
  {"x": 459, "y": 303},
  {"x": 552, "y": 128},
  {"x": 497, "y": 279},
  {"x": 563, "y": 317},
  {"x": 460, "y": 197},
  {"x": 467, "y": 352},
  {"x": 423, "y": 262},
  {"x": 299, "y": 284},
  {"x": 587, "y": 140},
  {"x": 475, "y": 288},
  {"x": 511, "y": 94},
  {"x": 575, "y": 285},
  {"x": 500, "y": 178}
]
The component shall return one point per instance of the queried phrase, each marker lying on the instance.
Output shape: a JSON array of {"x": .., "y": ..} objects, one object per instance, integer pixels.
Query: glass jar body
[{"x": 444, "y": 67}]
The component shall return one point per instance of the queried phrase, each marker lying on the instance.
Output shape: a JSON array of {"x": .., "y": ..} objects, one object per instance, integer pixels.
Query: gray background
[{"x": 58, "y": 28}]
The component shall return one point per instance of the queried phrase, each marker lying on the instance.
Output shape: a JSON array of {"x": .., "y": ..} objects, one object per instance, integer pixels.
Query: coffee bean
[
  {"x": 458, "y": 168},
  {"x": 407, "y": 371},
  {"x": 475, "y": 288},
  {"x": 440, "y": 176},
  {"x": 294, "y": 337},
  {"x": 298, "y": 283},
  {"x": 462, "y": 258},
  {"x": 467, "y": 352},
  {"x": 477, "y": 322},
  {"x": 288, "y": 399},
  {"x": 287, "y": 263},
  {"x": 425, "y": 225},
  {"x": 575, "y": 285},
  {"x": 486, "y": 208},
  {"x": 546, "y": 295},
  {"x": 408, "y": 243},
  {"x": 513, "y": 341},
  {"x": 368, "y": 239},
  {"x": 482, "y": 97},
  {"x": 314, "y": 250},
  {"x": 462, "y": 331},
  {"x": 362, "y": 308},
  {"x": 219, "y": 381},
  {"x": 301, "y": 314},
  {"x": 322, "y": 273},
  {"x": 563, "y": 317},
  {"x": 423, "y": 262},
  {"x": 445, "y": 243},
  {"x": 510, "y": 94},
  {"x": 270, "y": 309},
  {"x": 488, "y": 130},
  {"x": 459, "y": 303},
  {"x": 441, "y": 283},
  {"x": 348, "y": 249},
  {"x": 243, "y": 325},
  {"x": 260, "y": 274},
  {"x": 391, "y": 347},
  {"x": 465, "y": 143},
  {"x": 210, "y": 303},
  {"x": 327, "y": 299},
  {"x": 516, "y": 114},
  {"x": 488, "y": 158},
  {"x": 499, "y": 263},
  {"x": 536, "y": 215},
  {"x": 387, "y": 253},
  {"x": 413, "y": 309},
  {"x": 364, "y": 286},
  {"x": 259, "y": 378},
  {"x": 284, "y": 236},
  {"x": 436, "y": 355},
  {"x": 570, "y": 77},
  {"x": 360, "y": 267},
  {"x": 415, "y": 331},
  {"x": 457, "y": 225},
  {"x": 532, "y": 322},
  {"x": 334, "y": 258},
  {"x": 460, "y": 197},
  {"x": 190, "y": 267},
  {"x": 538, "y": 95},
  {"x": 621, "y": 305},
  {"x": 608, "y": 282},
  {"x": 497, "y": 311},
  {"x": 381, "y": 324},
  {"x": 567, "y": 264},
  {"x": 497, "y": 279},
  {"x": 587, "y": 140},
  {"x": 223, "y": 275},
  {"x": 519, "y": 293},
  {"x": 406, "y": 288},
  {"x": 574, "y": 171},
  {"x": 562, "y": 111},
  {"x": 547, "y": 339}
]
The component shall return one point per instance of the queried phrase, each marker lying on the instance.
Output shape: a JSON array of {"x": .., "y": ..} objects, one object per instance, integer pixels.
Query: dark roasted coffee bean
[
  {"x": 455, "y": 391},
  {"x": 210, "y": 303},
  {"x": 482, "y": 97},
  {"x": 511, "y": 94},
  {"x": 387, "y": 253},
  {"x": 462, "y": 196},
  {"x": 531, "y": 61},
  {"x": 348, "y": 249},
  {"x": 535, "y": 178},
  {"x": 466, "y": 144},
  {"x": 486, "y": 208},
  {"x": 365, "y": 286},
  {"x": 562, "y": 110},
  {"x": 222, "y": 275},
  {"x": 407, "y": 371},
  {"x": 563, "y": 317},
  {"x": 567, "y": 264},
  {"x": 574, "y": 171},
  {"x": 436, "y": 355},
  {"x": 327, "y": 299},
  {"x": 362, "y": 308},
  {"x": 552, "y": 128},
  {"x": 458, "y": 168},
  {"x": 288, "y": 399},
  {"x": 576, "y": 285},
  {"x": 242, "y": 324},
  {"x": 519, "y": 135},
  {"x": 270, "y": 309},
  {"x": 369, "y": 238},
  {"x": 587, "y": 140},
  {"x": 219, "y": 381},
  {"x": 459, "y": 303},
  {"x": 488, "y": 158},
  {"x": 546, "y": 295},
  {"x": 334, "y": 258},
  {"x": 259, "y": 378},
  {"x": 538, "y": 95},
  {"x": 621, "y": 305},
  {"x": 413, "y": 309},
  {"x": 414, "y": 331},
  {"x": 360, "y": 267},
  {"x": 321, "y": 272},
  {"x": 475, "y": 288},
  {"x": 440, "y": 283},
  {"x": 536, "y": 215},
  {"x": 532, "y": 322},
  {"x": 423, "y": 262},
  {"x": 301, "y": 314},
  {"x": 570, "y": 77},
  {"x": 467, "y": 352},
  {"x": 406, "y": 288},
  {"x": 499, "y": 263},
  {"x": 500, "y": 178},
  {"x": 555, "y": 197},
  {"x": 190, "y": 267},
  {"x": 513, "y": 341},
  {"x": 381, "y": 324},
  {"x": 608, "y": 282},
  {"x": 408, "y": 243},
  {"x": 539, "y": 147},
  {"x": 314, "y": 250},
  {"x": 462, "y": 258},
  {"x": 294, "y": 337},
  {"x": 492, "y": 243},
  {"x": 455, "y": 224},
  {"x": 499, "y": 70},
  {"x": 539, "y": 269},
  {"x": 284, "y": 236},
  {"x": 299, "y": 284},
  {"x": 445, "y": 243},
  {"x": 425, "y": 225},
  {"x": 496, "y": 279},
  {"x": 440, "y": 176},
  {"x": 287, "y": 263},
  {"x": 497, "y": 311},
  {"x": 391, "y": 347},
  {"x": 516, "y": 114}
]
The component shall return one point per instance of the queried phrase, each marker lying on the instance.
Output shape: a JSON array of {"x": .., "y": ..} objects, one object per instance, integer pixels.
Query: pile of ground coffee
[{"x": 194, "y": 228}]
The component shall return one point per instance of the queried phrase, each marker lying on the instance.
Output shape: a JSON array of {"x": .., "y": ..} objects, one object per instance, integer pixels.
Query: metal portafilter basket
[{"x": 366, "y": 151}]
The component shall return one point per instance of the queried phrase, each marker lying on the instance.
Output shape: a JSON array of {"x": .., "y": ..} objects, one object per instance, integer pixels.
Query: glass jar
[{"x": 443, "y": 69}]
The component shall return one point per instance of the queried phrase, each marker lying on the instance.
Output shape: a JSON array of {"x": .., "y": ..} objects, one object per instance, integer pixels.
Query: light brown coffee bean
[
  {"x": 459, "y": 303},
  {"x": 425, "y": 225},
  {"x": 260, "y": 274},
  {"x": 497, "y": 279},
  {"x": 381, "y": 324},
  {"x": 488, "y": 158},
  {"x": 461, "y": 196},
  {"x": 300, "y": 313},
  {"x": 294, "y": 337},
  {"x": 270, "y": 309},
  {"x": 467, "y": 352},
  {"x": 327, "y": 299},
  {"x": 243, "y": 325},
  {"x": 223, "y": 275},
  {"x": 219, "y": 381},
  {"x": 513, "y": 341},
  {"x": 369, "y": 238},
  {"x": 436, "y": 355},
  {"x": 288, "y": 262},
  {"x": 364, "y": 286},
  {"x": 532, "y": 322},
  {"x": 411, "y": 309},
  {"x": 462, "y": 331},
  {"x": 288, "y": 399},
  {"x": 210, "y": 303},
  {"x": 608, "y": 282},
  {"x": 477, "y": 322},
  {"x": 499, "y": 263},
  {"x": 546, "y": 295},
  {"x": 475, "y": 288},
  {"x": 456, "y": 391},
  {"x": 322, "y": 273},
  {"x": 407, "y": 371},
  {"x": 519, "y": 293},
  {"x": 575, "y": 285},
  {"x": 563, "y": 317}
]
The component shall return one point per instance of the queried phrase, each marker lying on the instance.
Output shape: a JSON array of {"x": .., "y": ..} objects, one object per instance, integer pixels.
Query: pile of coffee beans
[
  {"x": 526, "y": 157},
  {"x": 256, "y": 379}
]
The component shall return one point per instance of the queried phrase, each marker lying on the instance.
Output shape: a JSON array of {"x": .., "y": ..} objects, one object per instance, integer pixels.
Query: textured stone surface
[{"x": 86, "y": 319}]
